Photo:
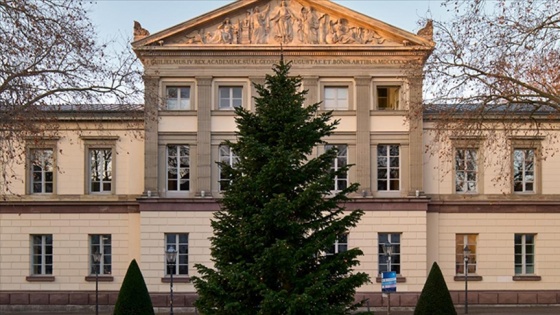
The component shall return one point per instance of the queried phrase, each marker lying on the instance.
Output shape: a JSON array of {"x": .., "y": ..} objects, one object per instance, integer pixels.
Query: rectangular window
[
  {"x": 388, "y": 168},
  {"x": 228, "y": 157},
  {"x": 341, "y": 160},
  {"x": 42, "y": 254},
  {"x": 339, "y": 246},
  {"x": 524, "y": 170},
  {"x": 335, "y": 98},
  {"x": 178, "y": 97},
  {"x": 178, "y": 168},
  {"x": 394, "y": 240},
  {"x": 230, "y": 97},
  {"x": 388, "y": 97},
  {"x": 460, "y": 241},
  {"x": 524, "y": 254},
  {"x": 100, "y": 243},
  {"x": 42, "y": 171},
  {"x": 179, "y": 243},
  {"x": 465, "y": 171},
  {"x": 101, "y": 170}
]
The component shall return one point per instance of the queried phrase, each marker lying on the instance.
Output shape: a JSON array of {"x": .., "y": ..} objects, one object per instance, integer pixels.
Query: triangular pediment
[{"x": 286, "y": 22}]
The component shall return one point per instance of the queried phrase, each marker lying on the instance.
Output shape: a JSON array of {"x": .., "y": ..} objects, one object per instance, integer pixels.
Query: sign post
[{"x": 388, "y": 285}]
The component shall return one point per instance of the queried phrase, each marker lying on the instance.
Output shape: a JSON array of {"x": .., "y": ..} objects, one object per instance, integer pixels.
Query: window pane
[{"x": 237, "y": 92}]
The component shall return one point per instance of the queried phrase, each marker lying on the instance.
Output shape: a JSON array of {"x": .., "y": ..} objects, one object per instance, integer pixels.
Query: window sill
[
  {"x": 177, "y": 112},
  {"x": 223, "y": 112},
  {"x": 400, "y": 279},
  {"x": 176, "y": 279},
  {"x": 469, "y": 278},
  {"x": 39, "y": 278},
  {"x": 526, "y": 278},
  {"x": 339, "y": 112},
  {"x": 100, "y": 278}
]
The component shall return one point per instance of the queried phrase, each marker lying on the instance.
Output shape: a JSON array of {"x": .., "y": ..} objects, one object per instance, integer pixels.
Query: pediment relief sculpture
[{"x": 283, "y": 22}]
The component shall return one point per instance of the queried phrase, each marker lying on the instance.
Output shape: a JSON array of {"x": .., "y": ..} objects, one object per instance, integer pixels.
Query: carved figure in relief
[
  {"x": 342, "y": 32},
  {"x": 197, "y": 38},
  {"x": 324, "y": 28},
  {"x": 259, "y": 25},
  {"x": 244, "y": 29},
  {"x": 223, "y": 35},
  {"x": 370, "y": 36},
  {"x": 283, "y": 22},
  {"x": 308, "y": 26}
]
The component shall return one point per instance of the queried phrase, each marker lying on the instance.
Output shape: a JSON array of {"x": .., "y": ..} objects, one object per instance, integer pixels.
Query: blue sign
[{"x": 389, "y": 282}]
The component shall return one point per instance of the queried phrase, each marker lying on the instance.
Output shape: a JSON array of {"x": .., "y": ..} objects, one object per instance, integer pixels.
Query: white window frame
[
  {"x": 178, "y": 157},
  {"x": 462, "y": 169},
  {"x": 225, "y": 154},
  {"x": 334, "y": 98},
  {"x": 520, "y": 250},
  {"x": 524, "y": 170},
  {"x": 179, "y": 99},
  {"x": 342, "y": 155},
  {"x": 181, "y": 265},
  {"x": 395, "y": 238},
  {"x": 40, "y": 259},
  {"x": 388, "y": 166},
  {"x": 471, "y": 240},
  {"x": 389, "y": 97},
  {"x": 106, "y": 167},
  {"x": 231, "y": 99},
  {"x": 104, "y": 247},
  {"x": 340, "y": 245},
  {"x": 335, "y": 84},
  {"x": 43, "y": 169}
]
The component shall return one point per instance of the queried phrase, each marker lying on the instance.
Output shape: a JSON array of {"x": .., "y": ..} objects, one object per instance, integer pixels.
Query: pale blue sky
[{"x": 114, "y": 18}]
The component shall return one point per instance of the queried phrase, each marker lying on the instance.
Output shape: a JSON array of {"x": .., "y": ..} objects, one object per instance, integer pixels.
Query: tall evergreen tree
[{"x": 279, "y": 215}]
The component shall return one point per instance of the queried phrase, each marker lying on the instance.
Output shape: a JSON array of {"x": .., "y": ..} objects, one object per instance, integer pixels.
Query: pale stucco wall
[
  {"x": 70, "y": 248},
  {"x": 495, "y": 248}
]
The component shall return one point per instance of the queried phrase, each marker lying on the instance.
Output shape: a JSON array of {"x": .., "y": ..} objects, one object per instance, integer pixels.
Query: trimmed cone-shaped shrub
[
  {"x": 435, "y": 298},
  {"x": 134, "y": 297}
]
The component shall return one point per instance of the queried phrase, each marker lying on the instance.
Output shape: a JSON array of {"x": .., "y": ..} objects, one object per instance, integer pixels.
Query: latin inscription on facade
[{"x": 270, "y": 61}]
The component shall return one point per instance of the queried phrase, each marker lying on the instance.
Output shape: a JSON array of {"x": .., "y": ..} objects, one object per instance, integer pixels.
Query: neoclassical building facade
[{"x": 131, "y": 195}]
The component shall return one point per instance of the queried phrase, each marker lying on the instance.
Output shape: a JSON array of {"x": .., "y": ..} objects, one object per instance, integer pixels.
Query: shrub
[
  {"x": 134, "y": 297},
  {"x": 435, "y": 298}
]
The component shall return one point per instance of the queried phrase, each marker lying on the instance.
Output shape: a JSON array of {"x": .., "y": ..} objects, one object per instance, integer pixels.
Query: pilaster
[
  {"x": 311, "y": 84},
  {"x": 363, "y": 144},
  {"x": 204, "y": 133},
  {"x": 415, "y": 136},
  {"x": 151, "y": 117}
]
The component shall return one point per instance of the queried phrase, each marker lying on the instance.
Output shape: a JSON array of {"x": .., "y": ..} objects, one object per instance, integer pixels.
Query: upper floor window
[
  {"x": 524, "y": 254},
  {"x": 340, "y": 161},
  {"x": 335, "y": 97},
  {"x": 465, "y": 170},
  {"x": 178, "y": 168},
  {"x": 462, "y": 240},
  {"x": 230, "y": 97},
  {"x": 42, "y": 254},
  {"x": 100, "y": 170},
  {"x": 178, "y": 98},
  {"x": 42, "y": 171},
  {"x": 228, "y": 157},
  {"x": 178, "y": 242},
  {"x": 393, "y": 240},
  {"x": 388, "y": 97},
  {"x": 100, "y": 243},
  {"x": 340, "y": 245},
  {"x": 524, "y": 170},
  {"x": 388, "y": 168}
]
